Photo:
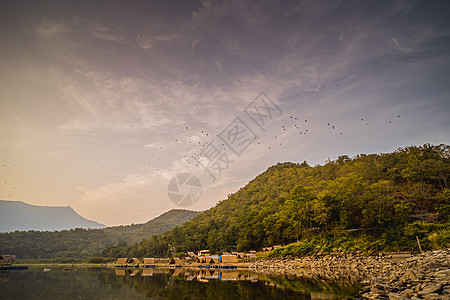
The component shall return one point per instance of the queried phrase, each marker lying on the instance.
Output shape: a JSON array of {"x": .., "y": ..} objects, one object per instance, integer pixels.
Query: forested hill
[
  {"x": 83, "y": 243},
  {"x": 369, "y": 202}
]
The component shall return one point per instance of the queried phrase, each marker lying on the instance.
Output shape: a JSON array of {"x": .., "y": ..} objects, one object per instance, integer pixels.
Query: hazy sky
[{"x": 102, "y": 102}]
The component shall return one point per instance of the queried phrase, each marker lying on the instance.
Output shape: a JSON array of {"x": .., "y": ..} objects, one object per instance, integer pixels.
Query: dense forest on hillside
[
  {"x": 83, "y": 243},
  {"x": 370, "y": 203}
]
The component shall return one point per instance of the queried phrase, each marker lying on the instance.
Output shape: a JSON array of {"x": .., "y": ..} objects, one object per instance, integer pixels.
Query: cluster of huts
[
  {"x": 265, "y": 249},
  {"x": 202, "y": 257}
]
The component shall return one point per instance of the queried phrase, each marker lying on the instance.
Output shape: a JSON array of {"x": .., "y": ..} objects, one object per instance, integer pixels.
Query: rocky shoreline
[{"x": 392, "y": 276}]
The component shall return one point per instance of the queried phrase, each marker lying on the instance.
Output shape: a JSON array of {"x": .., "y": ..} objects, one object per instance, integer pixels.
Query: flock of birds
[{"x": 191, "y": 140}]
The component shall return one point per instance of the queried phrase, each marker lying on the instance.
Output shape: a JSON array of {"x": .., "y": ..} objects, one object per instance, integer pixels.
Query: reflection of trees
[
  {"x": 166, "y": 284},
  {"x": 244, "y": 284}
]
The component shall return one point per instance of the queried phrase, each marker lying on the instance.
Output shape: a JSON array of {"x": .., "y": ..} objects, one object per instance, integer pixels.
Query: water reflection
[{"x": 165, "y": 283}]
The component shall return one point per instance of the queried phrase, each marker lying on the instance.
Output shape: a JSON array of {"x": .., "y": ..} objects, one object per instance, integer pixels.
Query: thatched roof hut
[
  {"x": 229, "y": 259},
  {"x": 149, "y": 261},
  {"x": 191, "y": 254},
  {"x": 121, "y": 261},
  {"x": 175, "y": 261},
  {"x": 212, "y": 259},
  {"x": 134, "y": 260}
]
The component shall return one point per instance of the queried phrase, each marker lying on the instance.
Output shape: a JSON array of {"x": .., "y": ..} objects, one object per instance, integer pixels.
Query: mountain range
[
  {"x": 81, "y": 242},
  {"x": 18, "y": 215}
]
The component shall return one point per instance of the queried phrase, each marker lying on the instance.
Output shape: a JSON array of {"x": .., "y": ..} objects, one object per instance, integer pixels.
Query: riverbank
[{"x": 393, "y": 276}]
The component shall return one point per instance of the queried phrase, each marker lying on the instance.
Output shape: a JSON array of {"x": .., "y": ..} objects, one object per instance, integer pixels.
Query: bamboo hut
[
  {"x": 134, "y": 260},
  {"x": 175, "y": 261},
  {"x": 149, "y": 261},
  {"x": 121, "y": 261},
  {"x": 229, "y": 259},
  {"x": 212, "y": 259}
]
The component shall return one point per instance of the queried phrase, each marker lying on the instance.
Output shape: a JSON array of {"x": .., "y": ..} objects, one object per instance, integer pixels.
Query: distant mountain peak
[{"x": 18, "y": 215}]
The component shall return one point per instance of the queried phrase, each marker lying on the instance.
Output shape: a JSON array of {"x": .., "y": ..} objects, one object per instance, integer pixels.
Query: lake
[{"x": 164, "y": 283}]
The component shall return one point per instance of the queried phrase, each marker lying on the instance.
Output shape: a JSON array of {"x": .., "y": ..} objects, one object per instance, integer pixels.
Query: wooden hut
[
  {"x": 149, "y": 261},
  {"x": 121, "y": 261},
  {"x": 252, "y": 251},
  {"x": 212, "y": 259},
  {"x": 240, "y": 255},
  {"x": 228, "y": 259},
  {"x": 175, "y": 261},
  {"x": 7, "y": 260},
  {"x": 134, "y": 261},
  {"x": 191, "y": 254}
]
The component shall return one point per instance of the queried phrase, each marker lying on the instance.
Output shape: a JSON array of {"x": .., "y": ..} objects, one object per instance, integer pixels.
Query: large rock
[{"x": 430, "y": 288}]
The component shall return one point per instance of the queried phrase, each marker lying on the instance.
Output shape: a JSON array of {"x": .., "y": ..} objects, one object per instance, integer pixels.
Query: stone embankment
[{"x": 394, "y": 276}]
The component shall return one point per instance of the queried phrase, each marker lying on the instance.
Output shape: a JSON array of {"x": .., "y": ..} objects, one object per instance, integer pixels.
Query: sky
[{"x": 127, "y": 109}]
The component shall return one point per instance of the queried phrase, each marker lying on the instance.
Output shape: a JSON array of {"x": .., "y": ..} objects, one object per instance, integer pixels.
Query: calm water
[{"x": 105, "y": 283}]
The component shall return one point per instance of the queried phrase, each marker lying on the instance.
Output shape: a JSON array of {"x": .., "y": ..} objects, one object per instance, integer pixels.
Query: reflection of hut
[
  {"x": 177, "y": 272},
  {"x": 229, "y": 259},
  {"x": 226, "y": 276},
  {"x": 190, "y": 277},
  {"x": 212, "y": 275},
  {"x": 119, "y": 272},
  {"x": 147, "y": 272},
  {"x": 175, "y": 261},
  {"x": 134, "y": 272}
]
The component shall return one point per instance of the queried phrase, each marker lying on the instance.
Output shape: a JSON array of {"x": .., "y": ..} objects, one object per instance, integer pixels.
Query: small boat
[{"x": 46, "y": 270}]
